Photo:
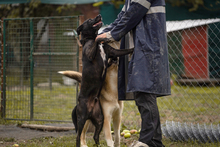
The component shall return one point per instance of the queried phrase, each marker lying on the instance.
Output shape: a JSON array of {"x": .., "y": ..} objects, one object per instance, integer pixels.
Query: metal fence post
[
  {"x": 3, "y": 76},
  {"x": 50, "y": 72},
  {"x": 2, "y": 70},
  {"x": 1, "y": 107},
  {"x": 31, "y": 68}
]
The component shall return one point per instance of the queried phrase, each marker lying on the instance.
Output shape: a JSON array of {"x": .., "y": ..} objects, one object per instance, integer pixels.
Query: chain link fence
[
  {"x": 35, "y": 49},
  {"x": 192, "y": 111}
]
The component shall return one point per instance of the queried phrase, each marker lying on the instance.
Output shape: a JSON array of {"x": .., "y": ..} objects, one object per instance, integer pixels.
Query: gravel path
[{"x": 12, "y": 131}]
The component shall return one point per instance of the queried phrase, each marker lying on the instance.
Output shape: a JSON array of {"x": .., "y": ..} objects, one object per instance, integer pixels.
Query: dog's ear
[{"x": 79, "y": 29}]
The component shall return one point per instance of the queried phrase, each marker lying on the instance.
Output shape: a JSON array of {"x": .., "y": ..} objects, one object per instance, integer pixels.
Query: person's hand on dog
[
  {"x": 104, "y": 38},
  {"x": 100, "y": 38}
]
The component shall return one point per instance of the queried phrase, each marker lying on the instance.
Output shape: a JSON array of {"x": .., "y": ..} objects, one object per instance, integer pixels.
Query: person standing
[{"x": 142, "y": 24}]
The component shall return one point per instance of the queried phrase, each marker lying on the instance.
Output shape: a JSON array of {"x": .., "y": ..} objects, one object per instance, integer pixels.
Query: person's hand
[{"x": 101, "y": 36}]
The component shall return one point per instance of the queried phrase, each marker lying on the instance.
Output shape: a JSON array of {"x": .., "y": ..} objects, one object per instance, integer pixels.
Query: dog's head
[{"x": 90, "y": 27}]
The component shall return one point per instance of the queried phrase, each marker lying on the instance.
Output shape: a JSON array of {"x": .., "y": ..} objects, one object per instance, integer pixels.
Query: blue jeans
[{"x": 150, "y": 133}]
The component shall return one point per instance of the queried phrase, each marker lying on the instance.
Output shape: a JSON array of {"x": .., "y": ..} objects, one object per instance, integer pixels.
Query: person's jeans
[{"x": 150, "y": 133}]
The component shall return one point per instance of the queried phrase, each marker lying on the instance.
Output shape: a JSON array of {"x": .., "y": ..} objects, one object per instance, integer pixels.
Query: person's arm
[
  {"x": 112, "y": 25},
  {"x": 136, "y": 11}
]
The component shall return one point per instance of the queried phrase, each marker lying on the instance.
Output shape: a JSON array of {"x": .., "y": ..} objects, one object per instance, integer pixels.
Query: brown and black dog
[
  {"x": 112, "y": 108},
  {"x": 95, "y": 57}
]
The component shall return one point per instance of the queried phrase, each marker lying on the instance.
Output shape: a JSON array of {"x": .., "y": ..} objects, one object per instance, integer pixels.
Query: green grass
[
  {"x": 191, "y": 104},
  {"x": 186, "y": 104},
  {"x": 197, "y": 104},
  {"x": 47, "y": 105}
]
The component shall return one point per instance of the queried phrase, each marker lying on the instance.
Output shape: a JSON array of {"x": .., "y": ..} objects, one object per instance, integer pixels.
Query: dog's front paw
[
  {"x": 84, "y": 145},
  {"x": 110, "y": 143}
]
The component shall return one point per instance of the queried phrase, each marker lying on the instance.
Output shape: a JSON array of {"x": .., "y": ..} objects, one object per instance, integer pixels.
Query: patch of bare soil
[{"x": 12, "y": 134}]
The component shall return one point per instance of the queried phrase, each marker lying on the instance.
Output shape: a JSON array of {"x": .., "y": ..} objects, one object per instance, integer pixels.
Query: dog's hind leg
[
  {"x": 80, "y": 125},
  {"x": 81, "y": 120},
  {"x": 74, "y": 118},
  {"x": 117, "y": 124},
  {"x": 98, "y": 129},
  {"x": 98, "y": 122},
  {"x": 107, "y": 129},
  {"x": 83, "y": 135}
]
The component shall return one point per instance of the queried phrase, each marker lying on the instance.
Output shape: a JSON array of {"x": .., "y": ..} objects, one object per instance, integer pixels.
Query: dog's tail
[
  {"x": 74, "y": 118},
  {"x": 72, "y": 74}
]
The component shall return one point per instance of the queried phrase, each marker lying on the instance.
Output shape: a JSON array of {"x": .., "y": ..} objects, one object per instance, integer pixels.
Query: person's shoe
[{"x": 138, "y": 144}]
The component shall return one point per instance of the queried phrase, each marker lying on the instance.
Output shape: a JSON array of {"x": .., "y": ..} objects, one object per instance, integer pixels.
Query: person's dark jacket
[{"x": 148, "y": 69}]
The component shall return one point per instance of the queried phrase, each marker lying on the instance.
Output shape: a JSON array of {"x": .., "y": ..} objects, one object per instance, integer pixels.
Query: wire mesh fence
[{"x": 35, "y": 49}]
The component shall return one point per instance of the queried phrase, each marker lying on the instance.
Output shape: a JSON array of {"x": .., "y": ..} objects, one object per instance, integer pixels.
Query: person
[{"x": 142, "y": 24}]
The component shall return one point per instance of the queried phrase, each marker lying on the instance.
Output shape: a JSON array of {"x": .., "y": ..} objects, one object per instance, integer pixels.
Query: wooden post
[{"x": 81, "y": 20}]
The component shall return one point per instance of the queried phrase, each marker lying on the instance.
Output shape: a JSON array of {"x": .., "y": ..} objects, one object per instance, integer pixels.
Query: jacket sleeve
[
  {"x": 136, "y": 11},
  {"x": 112, "y": 25}
]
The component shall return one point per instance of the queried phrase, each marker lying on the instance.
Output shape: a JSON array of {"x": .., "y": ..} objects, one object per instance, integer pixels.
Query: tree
[
  {"x": 31, "y": 9},
  {"x": 194, "y": 4}
]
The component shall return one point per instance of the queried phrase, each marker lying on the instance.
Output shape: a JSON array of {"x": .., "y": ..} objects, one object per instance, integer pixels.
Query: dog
[
  {"x": 112, "y": 107},
  {"x": 95, "y": 57}
]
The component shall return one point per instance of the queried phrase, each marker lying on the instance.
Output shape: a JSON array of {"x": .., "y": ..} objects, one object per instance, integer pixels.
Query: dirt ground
[{"x": 18, "y": 134}]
